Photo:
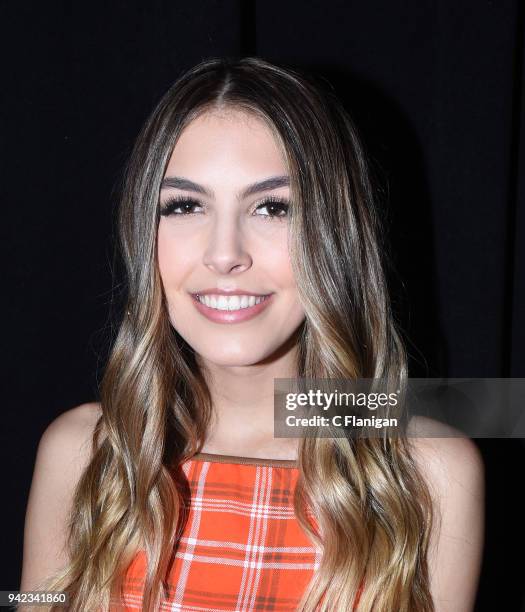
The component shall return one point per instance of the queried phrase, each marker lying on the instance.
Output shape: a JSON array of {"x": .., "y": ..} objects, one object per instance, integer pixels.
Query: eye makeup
[{"x": 184, "y": 206}]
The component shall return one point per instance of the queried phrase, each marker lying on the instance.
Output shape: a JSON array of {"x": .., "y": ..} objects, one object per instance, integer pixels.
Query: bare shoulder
[
  {"x": 63, "y": 453},
  {"x": 68, "y": 439},
  {"x": 72, "y": 429},
  {"x": 453, "y": 469},
  {"x": 444, "y": 456}
]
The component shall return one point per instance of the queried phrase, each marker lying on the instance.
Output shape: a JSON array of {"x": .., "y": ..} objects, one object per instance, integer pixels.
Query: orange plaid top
[{"x": 242, "y": 548}]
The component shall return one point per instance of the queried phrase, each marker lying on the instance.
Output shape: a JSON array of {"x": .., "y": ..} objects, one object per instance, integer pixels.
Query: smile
[
  {"x": 232, "y": 302},
  {"x": 231, "y": 308}
]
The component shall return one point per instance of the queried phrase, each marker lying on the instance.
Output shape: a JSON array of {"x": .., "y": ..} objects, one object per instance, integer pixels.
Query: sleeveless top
[{"x": 241, "y": 548}]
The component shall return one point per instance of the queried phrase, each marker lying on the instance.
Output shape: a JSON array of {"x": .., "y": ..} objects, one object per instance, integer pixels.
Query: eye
[
  {"x": 179, "y": 205},
  {"x": 276, "y": 207},
  {"x": 184, "y": 206}
]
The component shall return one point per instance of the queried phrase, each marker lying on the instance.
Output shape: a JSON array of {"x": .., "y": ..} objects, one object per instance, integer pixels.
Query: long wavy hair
[{"x": 372, "y": 506}]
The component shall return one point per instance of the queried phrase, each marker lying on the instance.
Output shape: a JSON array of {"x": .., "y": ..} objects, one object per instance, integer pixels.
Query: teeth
[{"x": 232, "y": 302}]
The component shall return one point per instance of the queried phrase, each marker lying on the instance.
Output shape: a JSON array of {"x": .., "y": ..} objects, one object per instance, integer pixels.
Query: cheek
[
  {"x": 277, "y": 260},
  {"x": 163, "y": 255},
  {"x": 173, "y": 258},
  {"x": 282, "y": 274}
]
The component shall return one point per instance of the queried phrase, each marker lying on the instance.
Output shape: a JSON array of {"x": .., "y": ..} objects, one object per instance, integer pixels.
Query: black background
[{"x": 436, "y": 88}]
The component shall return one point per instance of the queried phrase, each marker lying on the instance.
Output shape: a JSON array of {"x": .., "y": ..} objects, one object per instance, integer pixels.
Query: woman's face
[{"x": 224, "y": 241}]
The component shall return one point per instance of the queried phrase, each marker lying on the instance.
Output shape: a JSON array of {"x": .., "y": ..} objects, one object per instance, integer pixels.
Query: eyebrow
[{"x": 178, "y": 182}]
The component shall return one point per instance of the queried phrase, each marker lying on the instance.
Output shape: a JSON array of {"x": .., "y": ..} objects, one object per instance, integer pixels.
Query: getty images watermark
[{"x": 419, "y": 407}]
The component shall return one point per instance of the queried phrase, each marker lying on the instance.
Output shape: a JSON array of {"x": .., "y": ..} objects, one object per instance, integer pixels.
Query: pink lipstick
[{"x": 238, "y": 314}]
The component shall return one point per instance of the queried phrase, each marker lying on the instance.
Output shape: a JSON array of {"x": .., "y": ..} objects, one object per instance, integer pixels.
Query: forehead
[{"x": 227, "y": 137}]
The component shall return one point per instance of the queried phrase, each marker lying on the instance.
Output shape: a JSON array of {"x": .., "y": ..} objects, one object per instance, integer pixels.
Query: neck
[{"x": 243, "y": 407}]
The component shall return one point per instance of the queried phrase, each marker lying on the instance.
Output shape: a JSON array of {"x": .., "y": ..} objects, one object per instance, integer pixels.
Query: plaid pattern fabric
[{"x": 242, "y": 548}]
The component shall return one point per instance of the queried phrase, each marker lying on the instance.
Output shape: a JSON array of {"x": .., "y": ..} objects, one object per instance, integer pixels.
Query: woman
[{"x": 251, "y": 241}]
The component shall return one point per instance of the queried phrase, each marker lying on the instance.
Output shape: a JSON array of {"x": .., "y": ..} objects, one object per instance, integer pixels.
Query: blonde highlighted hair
[{"x": 371, "y": 504}]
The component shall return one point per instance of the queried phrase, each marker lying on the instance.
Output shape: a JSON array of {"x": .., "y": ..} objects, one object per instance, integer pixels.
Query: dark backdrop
[{"x": 436, "y": 88}]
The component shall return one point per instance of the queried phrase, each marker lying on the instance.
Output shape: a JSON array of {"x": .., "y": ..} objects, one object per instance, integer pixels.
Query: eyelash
[{"x": 172, "y": 203}]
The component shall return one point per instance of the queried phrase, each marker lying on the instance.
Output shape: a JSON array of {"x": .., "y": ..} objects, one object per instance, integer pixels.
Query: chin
[{"x": 236, "y": 358}]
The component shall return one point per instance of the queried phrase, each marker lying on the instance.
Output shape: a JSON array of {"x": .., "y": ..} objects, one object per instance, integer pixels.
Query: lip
[{"x": 231, "y": 316}]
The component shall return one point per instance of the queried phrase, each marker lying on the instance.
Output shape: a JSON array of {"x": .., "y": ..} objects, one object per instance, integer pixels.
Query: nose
[{"x": 226, "y": 251}]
